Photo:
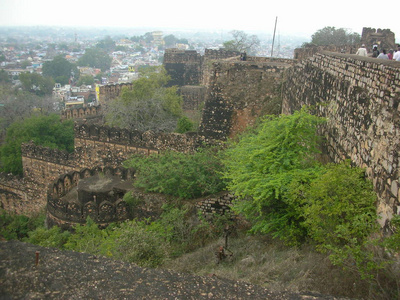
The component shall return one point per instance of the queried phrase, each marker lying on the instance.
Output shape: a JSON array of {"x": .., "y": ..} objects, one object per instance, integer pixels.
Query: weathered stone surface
[
  {"x": 361, "y": 109},
  {"x": 74, "y": 275}
]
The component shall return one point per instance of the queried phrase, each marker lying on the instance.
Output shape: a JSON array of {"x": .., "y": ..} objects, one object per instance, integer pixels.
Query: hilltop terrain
[{"x": 73, "y": 275}]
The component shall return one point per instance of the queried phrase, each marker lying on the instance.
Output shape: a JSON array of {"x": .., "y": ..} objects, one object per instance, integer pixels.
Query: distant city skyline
[{"x": 294, "y": 17}]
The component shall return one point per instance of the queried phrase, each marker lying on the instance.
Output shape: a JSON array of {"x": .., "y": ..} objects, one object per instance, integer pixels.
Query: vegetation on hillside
[
  {"x": 183, "y": 175},
  {"x": 296, "y": 217},
  {"x": 47, "y": 131},
  {"x": 149, "y": 105},
  {"x": 60, "y": 69},
  {"x": 284, "y": 191}
]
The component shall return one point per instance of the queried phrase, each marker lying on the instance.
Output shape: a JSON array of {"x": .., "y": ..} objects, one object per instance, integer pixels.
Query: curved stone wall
[{"x": 65, "y": 209}]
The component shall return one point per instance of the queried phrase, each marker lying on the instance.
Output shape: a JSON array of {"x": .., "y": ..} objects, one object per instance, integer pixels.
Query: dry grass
[{"x": 268, "y": 263}]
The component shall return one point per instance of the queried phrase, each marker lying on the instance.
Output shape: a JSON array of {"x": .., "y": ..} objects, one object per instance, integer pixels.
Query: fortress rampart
[
  {"x": 69, "y": 204},
  {"x": 80, "y": 113},
  {"x": 239, "y": 92},
  {"x": 360, "y": 98},
  {"x": 111, "y": 91}
]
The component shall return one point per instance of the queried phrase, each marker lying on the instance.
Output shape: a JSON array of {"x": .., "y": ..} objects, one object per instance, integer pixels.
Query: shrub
[
  {"x": 88, "y": 238},
  {"x": 133, "y": 242},
  {"x": 184, "y": 125},
  {"x": 17, "y": 227},
  {"x": 264, "y": 163},
  {"x": 182, "y": 175},
  {"x": 53, "y": 237},
  {"x": 340, "y": 215}
]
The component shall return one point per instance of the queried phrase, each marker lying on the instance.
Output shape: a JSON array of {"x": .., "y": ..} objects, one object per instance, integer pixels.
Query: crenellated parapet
[
  {"x": 31, "y": 150},
  {"x": 109, "y": 146},
  {"x": 111, "y": 91},
  {"x": 219, "y": 54},
  {"x": 81, "y": 113},
  {"x": 149, "y": 140},
  {"x": 96, "y": 193}
]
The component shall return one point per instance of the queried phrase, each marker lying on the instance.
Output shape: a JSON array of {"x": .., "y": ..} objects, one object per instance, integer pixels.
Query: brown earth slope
[{"x": 74, "y": 275}]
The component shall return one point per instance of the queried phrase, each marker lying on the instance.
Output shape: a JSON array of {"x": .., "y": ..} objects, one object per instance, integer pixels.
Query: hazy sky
[{"x": 294, "y": 17}]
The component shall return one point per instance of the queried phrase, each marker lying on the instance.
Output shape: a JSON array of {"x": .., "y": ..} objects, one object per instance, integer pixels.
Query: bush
[
  {"x": 184, "y": 125},
  {"x": 53, "y": 237},
  {"x": 17, "y": 227},
  {"x": 340, "y": 215},
  {"x": 264, "y": 163},
  {"x": 89, "y": 238},
  {"x": 182, "y": 175},
  {"x": 133, "y": 242}
]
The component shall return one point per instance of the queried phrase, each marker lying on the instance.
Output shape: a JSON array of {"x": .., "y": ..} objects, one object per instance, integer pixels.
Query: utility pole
[{"x": 273, "y": 39}]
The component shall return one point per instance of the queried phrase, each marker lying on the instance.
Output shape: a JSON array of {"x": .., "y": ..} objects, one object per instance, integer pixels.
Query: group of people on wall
[{"x": 391, "y": 55}]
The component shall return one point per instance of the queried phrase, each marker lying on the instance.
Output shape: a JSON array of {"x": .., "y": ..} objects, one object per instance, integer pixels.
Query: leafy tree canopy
[
  {"x": 37, "y": 84},
  {"x": 4, "y": 78},
  {"x": 107, "y": 44},
  {"x": 332, "y": 36},
  {"x": 85, "y": 80},
  {"x": 263, "y": 164},
  {"x": 47, "y": 131},
  {"x": 60, "y": 69},
  {"x": 170, "y": 40},
  {"x": 19, "y": 104},
  {"x": 242, "y": 42},
  {"x": 95, "y": 58},
  {"x": 149, "y": 105},
  {"x": 182, "y": 175}
]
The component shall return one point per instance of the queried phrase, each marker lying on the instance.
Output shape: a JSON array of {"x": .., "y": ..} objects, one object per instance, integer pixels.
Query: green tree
[
  {"x": 170, "y": 40},
  {"x": 332, "y": 36},
  {"x": 85, "y": 80},
  {"x": 13, "y": 227},
  {"x": 37, "y": 84},
  {"x": 149, "y": 105},
  {"x": 88, "y": 238},
  {"x": 340, "y": 214},
  {"x": 60, "y": 69},
  {"x": 19, "y": 104},
  {"x": 25, "y": 63},
  {"x": 178, "y": 174},
  {"x": 264, "y": 162},
  {"x": 4, "y": 78},
  {"x": 95, "y": 58},
  {"x": 242, "y": 42},
  {"x": 184, "y": 125},
  {"x": 107, "y": 44},
  {"x": 46, "y": 131},
  {"x": 53, "y": 237}
]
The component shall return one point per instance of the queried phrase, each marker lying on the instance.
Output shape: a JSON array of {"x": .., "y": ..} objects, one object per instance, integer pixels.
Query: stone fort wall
[
  {"x": 239, "y": 92},
  {"x": 68, "y": 211},
  {"x": 81, "y": 113},
  {"x": 360, "y": 98},
  {"x": 95, "y": 146}
]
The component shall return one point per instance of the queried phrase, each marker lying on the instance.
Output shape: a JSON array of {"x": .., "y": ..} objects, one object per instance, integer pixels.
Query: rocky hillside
[{"x": 73, "y": 275}]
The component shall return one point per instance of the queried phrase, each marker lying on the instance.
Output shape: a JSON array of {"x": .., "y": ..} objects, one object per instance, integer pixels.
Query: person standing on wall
[
  {"x": 375, "y": 51},
  {"x": 362, "y": 51},
  {"x": 390, "y": 54},
  {"x": 383, "y": 55},
  {"x": 396, "y": 56}
]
